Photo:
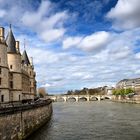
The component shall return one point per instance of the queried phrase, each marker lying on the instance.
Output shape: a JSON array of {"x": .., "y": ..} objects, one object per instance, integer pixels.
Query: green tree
[{"x": 122, "y": 91}]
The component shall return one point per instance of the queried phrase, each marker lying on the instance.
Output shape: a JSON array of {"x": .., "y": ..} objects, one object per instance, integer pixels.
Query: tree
[
  {"x": 122, "y": 91},
  {"x": 42, "y": 92}
]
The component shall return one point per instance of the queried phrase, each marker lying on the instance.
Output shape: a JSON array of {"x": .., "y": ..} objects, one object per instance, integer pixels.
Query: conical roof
[
  {"x": 10, "y": 41},
  {"x": 25, "y": 58}
]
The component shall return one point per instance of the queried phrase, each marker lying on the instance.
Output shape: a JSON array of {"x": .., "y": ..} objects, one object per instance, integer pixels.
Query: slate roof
[
  {"x": 25, "y": 59},
  {"x": 11, "y": 43}
]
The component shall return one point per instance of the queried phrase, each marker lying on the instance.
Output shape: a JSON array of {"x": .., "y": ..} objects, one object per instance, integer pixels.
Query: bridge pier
[
  {"x": 99, "y": 98},
  {"x": 65, "y": 99},
  {"x": 77, "y": 99},
  {"x": 88, "y": 98}
]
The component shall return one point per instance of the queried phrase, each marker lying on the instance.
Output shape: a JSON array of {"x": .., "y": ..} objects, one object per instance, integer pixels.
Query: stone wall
[
  {"x": 135, "y": 99},
  {"x": 19, "y": 125}
]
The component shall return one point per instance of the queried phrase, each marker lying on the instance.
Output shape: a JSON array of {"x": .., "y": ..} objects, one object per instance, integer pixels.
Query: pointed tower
[
  {"x": 32, "y": 78},
  {"x": 14, "y": 63},
  {"x": 27, "y": 65},
  {"x": 25, "y": 59},
  {"x": 10, "y": 40},
  {"x": 4, "y": 71}
]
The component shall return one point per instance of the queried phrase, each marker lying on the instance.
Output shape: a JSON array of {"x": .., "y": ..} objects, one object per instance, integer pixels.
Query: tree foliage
[
  {"x": 42, "y": 92},
  {"x": 122, "y": 91}
]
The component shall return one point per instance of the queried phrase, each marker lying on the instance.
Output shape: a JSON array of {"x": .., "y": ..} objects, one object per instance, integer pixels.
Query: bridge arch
[
  {"x": 60, "y": 99},
  {"x": 83, "y": 98},
  {"x": 94, "y": 98},
  {"x": 107, "y": 97},
  {"x": 71, "y": 99}
]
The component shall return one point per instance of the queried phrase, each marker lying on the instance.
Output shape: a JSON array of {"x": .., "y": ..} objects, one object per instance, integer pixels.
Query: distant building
[
  {"x": 109, "y": 90},
  {"x": 17, "y": 75},
  {"x": 130, "y": 83}
]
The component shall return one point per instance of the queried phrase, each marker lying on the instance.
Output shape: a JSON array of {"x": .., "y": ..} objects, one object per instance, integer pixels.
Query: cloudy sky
[{"x": 77, "y": 43}]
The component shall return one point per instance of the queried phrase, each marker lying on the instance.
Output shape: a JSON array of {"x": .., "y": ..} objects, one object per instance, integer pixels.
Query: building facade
[
  {"x": 17, "y": 75},
  {"x": 130, "y": 83}
]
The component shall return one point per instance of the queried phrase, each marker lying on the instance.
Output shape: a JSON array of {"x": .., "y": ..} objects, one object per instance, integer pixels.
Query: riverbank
[
  {"x": 17, "y": 123},
  {"x": 122, "y": 99}
]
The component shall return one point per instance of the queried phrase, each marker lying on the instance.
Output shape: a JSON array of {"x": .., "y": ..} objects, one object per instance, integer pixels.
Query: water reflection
[{"x": 71, "y": 99}]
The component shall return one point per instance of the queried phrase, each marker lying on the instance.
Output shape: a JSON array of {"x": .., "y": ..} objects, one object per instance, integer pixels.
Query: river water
[{"x": 97, "y": 120}]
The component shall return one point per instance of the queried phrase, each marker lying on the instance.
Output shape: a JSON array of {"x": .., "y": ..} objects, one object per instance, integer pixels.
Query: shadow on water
[{"x": 39, "y": 133}]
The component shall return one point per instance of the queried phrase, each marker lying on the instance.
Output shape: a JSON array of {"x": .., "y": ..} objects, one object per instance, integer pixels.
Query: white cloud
[
  {"x": 137, "y": 55},
  {"x": 61, "y": 70},
  {"x": 52, "y": 34},
  {"x": 71, "y": 42},
  {"x": 44, "y": 21},
  {"x": 126, "y": 14},
  {"x": 49, "y": 28},
  {"x": 2, "y": 13},
  {"x": 93, "y": 42}
]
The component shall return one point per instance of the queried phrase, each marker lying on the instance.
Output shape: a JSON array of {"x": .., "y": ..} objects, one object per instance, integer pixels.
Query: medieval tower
[
  {"x": 4, "y": 70},
  {"x": 17, "y": 75}
]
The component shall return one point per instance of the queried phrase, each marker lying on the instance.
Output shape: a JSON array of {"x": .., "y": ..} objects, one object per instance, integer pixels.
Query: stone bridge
[{"x": 77, "y": 98}]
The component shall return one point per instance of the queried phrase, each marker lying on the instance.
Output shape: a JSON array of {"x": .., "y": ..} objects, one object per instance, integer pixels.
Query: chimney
[
  {"x": 1, "y": 33},
  {"x": 17, "y": 46}
]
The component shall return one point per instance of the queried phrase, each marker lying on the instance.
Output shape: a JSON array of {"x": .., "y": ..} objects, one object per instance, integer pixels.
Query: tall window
[
  {"x": 11, "y": 75},
  {"x": 19, "y": 97},
  {"x": 2, "y": 98},
  {"x": 11, "y": 84},
  {"x": 0, "y": 81},
  {"x": 0, "y": 70}
]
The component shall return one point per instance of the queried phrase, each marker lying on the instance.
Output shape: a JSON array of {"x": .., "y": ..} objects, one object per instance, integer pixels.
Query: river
[{"x": 97, "y": 120}]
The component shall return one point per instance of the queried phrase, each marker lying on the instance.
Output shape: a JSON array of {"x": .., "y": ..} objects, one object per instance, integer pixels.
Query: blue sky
[{"x": 77, "y": 43}]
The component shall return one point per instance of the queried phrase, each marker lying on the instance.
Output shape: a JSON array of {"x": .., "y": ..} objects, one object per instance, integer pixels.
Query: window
[
  {"x": 11, "y": 84},
  {"x": 0, "y": 81},
  {"x": 19, "y": 97},
  {"x": 2, "y": 98},
  {"x": 11, "y": 75},
  {"x": 0, "y": 70},
  {"x": 11, "y": 66}
]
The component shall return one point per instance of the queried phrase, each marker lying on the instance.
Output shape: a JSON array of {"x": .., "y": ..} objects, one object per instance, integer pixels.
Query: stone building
[
  {"x": 17, "y": 75},
  {"x": 130, "y": 83}
]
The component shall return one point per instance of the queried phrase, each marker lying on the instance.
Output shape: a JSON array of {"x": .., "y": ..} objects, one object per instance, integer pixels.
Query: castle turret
[
  {"x": 4, "y": 71},
  {"x": 14, "y": 62},
  {"x": 32, "y": 78},
  {"x": 25, "y": 59},
  {"x": 1, "y": 33},
  {"x": 17, "y": 47}
]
